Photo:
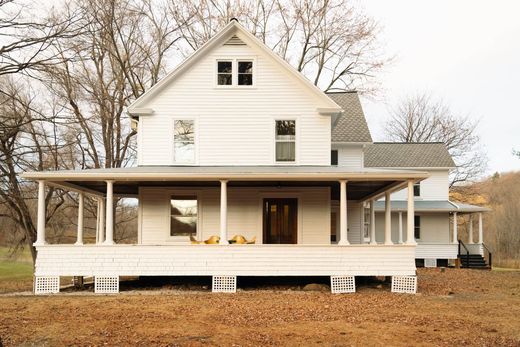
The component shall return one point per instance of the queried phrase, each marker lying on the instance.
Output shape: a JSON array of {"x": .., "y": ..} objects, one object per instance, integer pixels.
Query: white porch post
[
  {"x": 400, "y": 227},
  {"x": 79, "y": 240},
  {"x": 101, "y": 220},
  {"x": 223, "y": 213},
  {"x": 109, "y": 240},
  {"x": 410, "y": 216},
  {"x": 455, "y": 228},
  {"x": 480, "y": 229},
  {"x": 372, "y": 223},
  {"x": 388, "y": 220},
  {"x": 40, "y": 227},
  {"x": 343, "y": 239},
  {"x": 470, "y": 231}
]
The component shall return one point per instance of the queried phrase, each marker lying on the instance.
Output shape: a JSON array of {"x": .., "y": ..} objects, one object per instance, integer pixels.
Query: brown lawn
[{"x": 456, "y": 307}]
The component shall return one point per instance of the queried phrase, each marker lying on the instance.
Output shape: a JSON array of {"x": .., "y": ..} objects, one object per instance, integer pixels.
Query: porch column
[
  {"x": 40, "y": 227},
  {"x": 79, "y": 240},
  {"x": 101, "y": 220},
  {"x": 388, "y": 220},
  {"x": 410, "y": 216},
  {"x": 455, "y": 230},
  {"x": 400, "y": 227},
  {"x": 223, "y": 213},
  {"x": 480, "y": 229},
  {"x": 109, "y": 240},
  {"x": 470, "y": 231},
  {"x": 343, "y": 239},
  {"x": 372, "y": 223}
]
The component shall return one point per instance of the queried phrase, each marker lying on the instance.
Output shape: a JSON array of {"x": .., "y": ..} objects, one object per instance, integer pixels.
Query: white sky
[{"x": 464, "y": 51}]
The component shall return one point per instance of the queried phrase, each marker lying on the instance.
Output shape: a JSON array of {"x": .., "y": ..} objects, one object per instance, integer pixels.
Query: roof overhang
[{"x": 431, "y": 206}]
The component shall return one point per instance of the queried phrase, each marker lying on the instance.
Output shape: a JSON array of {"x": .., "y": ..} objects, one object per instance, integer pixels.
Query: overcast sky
[{"x": 467, "y": 52}]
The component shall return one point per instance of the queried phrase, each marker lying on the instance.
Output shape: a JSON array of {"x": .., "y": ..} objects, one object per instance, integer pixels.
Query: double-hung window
[
  {"x": 417, "y": 189},
  {"x": 245, "y": 73},
  {"x": 285, "y": 138},
  {"x": 417, "y": 225},
  {"x": 183, "y": 215},
  {"x": 184, "y": 141},
  {"x": 225, "y": 72}
]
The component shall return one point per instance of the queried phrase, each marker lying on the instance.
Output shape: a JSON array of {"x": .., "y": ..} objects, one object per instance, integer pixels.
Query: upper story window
[
  {"x": 225, "y": 73},
  {"x": 184, "y": 141},
  {"x": 417, "y": 189},
  {"x": 334, "y": 157},
  {"x": 235, "y": 72},
  {"x": 285, "y": 140},
  {"x": 245, "y": 73},
  {"x": 417, "y": 229}
]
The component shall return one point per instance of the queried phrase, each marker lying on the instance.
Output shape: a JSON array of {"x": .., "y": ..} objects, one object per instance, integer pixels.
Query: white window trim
[
  {"x": 296, "y": 140},
  {"x": 234, "y": 72},
  {"x": 198, "y": 233},
  {"x": 196, "y": 140}
]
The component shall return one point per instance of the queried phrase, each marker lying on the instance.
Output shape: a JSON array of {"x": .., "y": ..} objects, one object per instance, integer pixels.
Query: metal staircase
[{"x": 474, "y": 261}]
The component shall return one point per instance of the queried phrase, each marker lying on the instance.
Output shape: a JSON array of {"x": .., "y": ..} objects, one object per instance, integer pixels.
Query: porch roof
[
  {"x": 432, "y": 206},
  {"x": 363, "y": 183}
]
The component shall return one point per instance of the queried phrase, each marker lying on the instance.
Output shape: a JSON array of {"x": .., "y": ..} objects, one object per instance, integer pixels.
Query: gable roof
[
  {"x": 408, "y": 155},
  {"x": 230, "y": 31},
  {"x": 351, "y": 125}
]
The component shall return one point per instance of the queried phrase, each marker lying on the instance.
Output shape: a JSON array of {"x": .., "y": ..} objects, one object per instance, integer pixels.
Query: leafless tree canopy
[{"x": 420, "y": 118}]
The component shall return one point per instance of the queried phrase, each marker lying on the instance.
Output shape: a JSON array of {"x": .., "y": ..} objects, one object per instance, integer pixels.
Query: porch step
[{"x": 473, "y": 261}]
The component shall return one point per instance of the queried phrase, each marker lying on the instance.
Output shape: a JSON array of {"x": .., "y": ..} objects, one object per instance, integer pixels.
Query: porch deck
[{"x": 238, "y": 260}]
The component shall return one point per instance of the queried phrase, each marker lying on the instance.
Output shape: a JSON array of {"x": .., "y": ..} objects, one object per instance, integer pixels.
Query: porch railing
[
  {"x": 489, "y": 255},
  {"x": 462, "y": 245}
]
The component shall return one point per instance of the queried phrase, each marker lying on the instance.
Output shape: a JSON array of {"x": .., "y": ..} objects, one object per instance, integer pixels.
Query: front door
[{"x": 280, "y": 221}]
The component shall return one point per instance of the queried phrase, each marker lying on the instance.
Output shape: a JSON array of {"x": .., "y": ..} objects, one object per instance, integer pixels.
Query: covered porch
[{"x": 306, "y": 257}]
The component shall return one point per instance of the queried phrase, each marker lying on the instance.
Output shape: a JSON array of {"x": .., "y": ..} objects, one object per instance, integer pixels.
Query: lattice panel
[
  {"x": 342, "y": 284},
  {"x": 224, "y": 284},
  {"x": 430, "y": 262},
  {"x": 106, "y": 284},
  {"x": 46, "y": 285},
  {"x": 404, "y": 284}
]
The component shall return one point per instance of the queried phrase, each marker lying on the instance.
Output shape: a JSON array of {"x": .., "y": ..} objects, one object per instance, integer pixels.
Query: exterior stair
[{"x": 473, "y": 261}]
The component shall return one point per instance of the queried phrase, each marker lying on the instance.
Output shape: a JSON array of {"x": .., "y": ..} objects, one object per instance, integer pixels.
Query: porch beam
[
  {"x": 109, "y": 240},
  {"x": 388, "y": 219},
  {"x": 372, "y": 223},
  {"x": 470, "y": 230},
  {"x": 455, "y": 228},
  {"x": 223, "y": 213},
  {"x": 480, "y": 229},
  {"x": 79, "y": 240},
  {"x": 40, "y": 227},
  {"x": 343, "y": 231},
  {"x": 410, "y": 215},
  {"x": 391, "y": 187},
  {"x": 75, "y": 188}
]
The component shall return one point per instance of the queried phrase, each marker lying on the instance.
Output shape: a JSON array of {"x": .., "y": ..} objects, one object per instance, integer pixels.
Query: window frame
[
  {"x": 183, "y": 193},
  {"x": 417, "y": 227},
  {"x": 238, "y": 61},
  {"x": 332, "y": 157},
  {"x": 417, "y": 186},
  {"x": 234, "y": 71},
  {"x": 195, "y": 141},
  {"x": 296, "y": 140}
]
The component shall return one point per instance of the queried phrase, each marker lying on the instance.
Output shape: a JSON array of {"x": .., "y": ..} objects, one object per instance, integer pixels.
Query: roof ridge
[{"x": 408, "y": 143}]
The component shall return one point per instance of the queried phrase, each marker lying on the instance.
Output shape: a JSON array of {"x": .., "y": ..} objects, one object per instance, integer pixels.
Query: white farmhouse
[{"x": 234, "y": 141}]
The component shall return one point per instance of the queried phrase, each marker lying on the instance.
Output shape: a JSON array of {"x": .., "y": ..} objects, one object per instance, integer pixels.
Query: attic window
[
  {"x": 225, "y": 73},
  {"x": 245, "y": 73}
]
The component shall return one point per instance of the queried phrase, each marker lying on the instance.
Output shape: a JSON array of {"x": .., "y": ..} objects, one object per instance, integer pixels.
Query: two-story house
[{"x": 235, "y": 141}]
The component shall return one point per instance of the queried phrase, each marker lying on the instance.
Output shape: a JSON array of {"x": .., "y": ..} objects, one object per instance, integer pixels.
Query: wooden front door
[{"x": 280, "y": 221}]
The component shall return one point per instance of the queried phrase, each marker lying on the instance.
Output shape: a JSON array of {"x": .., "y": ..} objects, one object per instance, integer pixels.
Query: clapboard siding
[
  {"x": 350, "y": 156},
  {"x": 435, "y": 187},
  {"x": 244, "y": 212},
  {"x": 436, "y": 251},
  {"x": 435, "y": 227},
  {"x": 235, "y": 126},
  {"x": 241, "y": 260}
]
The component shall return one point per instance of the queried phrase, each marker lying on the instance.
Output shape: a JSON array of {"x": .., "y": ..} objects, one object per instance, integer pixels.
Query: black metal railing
[
  {"x": 489, "y": 254},
  {"x": 467, "y": 252}
]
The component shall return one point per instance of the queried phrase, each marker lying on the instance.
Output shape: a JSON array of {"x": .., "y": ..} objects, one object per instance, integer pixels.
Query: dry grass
[{"x": 457, "y": 307}]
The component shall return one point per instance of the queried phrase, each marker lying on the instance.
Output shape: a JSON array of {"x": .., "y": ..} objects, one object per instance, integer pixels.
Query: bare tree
[
  {"x": 331, "y": 42},
  {"x": 420, "y": 118}
]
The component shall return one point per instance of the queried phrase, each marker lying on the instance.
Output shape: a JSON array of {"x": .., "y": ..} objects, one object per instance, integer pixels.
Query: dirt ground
[{"x": 453, "y": 308}]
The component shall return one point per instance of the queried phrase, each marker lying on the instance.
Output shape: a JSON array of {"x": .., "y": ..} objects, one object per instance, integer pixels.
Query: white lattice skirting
[
  {"x": 404, "y": 284},
  {"x": 106, "y": 284},
  {"x": 46, "y": 285},
  {"x": 224, "y": 284},
  {"x": 342, "y": 284},
  {"x": 430, "y": 262}
]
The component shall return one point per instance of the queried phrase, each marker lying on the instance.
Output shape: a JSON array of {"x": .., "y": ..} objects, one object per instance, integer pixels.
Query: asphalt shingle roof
[
  {"x": 403, "y": 155},
  {"x": 352, "y": 125}
]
